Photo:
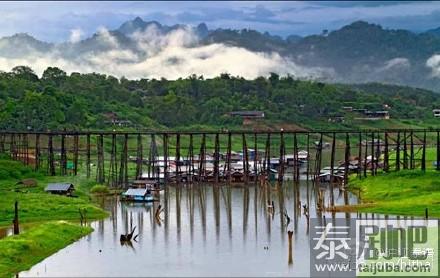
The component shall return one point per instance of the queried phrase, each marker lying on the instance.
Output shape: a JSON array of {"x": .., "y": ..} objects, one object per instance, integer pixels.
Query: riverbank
[
  {"x": 20, "y": 252},
  {"x": 407, "y": 192},
  {"x": 42, "y": 215}
]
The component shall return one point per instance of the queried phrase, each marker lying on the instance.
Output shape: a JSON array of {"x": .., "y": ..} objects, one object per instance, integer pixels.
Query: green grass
[
  {"x": 408, "y": 192},
  {"x": 20, "y": 252}
]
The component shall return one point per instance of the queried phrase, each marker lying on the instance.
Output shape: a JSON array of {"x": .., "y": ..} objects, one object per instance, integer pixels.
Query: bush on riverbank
[
  {"x": 100, "y": 189},
  {"x": 20, "y": 252},
  {"x": 407, "y": 192}
]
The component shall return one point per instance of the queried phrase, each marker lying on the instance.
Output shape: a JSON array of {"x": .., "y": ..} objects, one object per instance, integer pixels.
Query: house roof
[
  {"x": 58, "y": 187},
  {"x": 136, "y": 192}
]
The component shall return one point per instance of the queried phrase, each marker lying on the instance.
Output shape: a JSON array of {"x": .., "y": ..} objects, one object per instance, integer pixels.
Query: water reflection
[{"x": 196, "y": 230}]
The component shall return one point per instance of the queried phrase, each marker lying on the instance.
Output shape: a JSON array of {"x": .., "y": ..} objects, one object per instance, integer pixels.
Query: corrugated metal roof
[
  {"x": 58, "y": 187},
  {"x": 136, "y": 192}
]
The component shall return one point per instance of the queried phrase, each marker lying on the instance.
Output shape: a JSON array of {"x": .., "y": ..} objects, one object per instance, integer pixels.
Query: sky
[{"x": 70, "y": 20}]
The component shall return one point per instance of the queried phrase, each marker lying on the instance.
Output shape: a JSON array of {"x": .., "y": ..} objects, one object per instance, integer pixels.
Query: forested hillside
[{"x": 92, "y": 101}]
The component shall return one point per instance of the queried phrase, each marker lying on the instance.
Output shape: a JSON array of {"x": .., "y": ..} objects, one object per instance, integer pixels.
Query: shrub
[{"x": 99, "y": 189}]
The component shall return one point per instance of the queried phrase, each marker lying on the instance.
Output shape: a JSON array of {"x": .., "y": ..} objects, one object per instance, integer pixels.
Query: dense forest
[{"x": 95, "y": 101}]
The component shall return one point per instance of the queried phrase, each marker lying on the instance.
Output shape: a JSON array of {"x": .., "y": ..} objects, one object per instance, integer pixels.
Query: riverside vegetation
[{"x": 42, "y": 215}]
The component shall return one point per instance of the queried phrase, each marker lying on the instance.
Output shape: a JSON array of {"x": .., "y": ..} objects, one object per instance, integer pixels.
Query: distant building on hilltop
[{"x": 247, "y": 116}]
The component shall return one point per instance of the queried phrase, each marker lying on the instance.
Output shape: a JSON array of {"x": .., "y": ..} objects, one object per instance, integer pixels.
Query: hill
[{"x": 92, "y": 101}]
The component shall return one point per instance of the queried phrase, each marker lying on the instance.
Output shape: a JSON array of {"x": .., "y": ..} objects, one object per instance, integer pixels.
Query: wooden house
[{"x": 60, "y": 188}]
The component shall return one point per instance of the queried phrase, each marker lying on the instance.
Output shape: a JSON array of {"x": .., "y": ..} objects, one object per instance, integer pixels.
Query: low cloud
[
  {"x": 76, "y": 35},
  {"x": 156, "y": 55},
  {"x": 434, "y": 64}
]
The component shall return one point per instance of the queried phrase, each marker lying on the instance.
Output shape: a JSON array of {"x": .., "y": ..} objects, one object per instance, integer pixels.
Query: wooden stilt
[
  {"x": 398, "y": 152},
  {"x": 75, "y": 154},
  {"x": 424, "y": 151},
  {"x": 37, "y": 152},
  {"x": 139, "y": 157},
  {"x": 51, "y": 162},
  {"x": 386, "y": 164},
  {"x": 88, "y": 156}
]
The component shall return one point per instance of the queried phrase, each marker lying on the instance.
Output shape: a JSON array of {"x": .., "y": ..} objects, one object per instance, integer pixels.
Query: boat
[{"x": 138, "y": 195}]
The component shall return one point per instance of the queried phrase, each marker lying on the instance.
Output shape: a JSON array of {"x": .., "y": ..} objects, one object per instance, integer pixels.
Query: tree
[
  {"x": 54, "y": 75},
  {"x": 24, "y": 72}
]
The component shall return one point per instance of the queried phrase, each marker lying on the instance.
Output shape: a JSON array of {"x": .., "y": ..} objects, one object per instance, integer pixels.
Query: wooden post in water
[
  {"x": 332, "y": 166},
  {"x": 100, "y": 164},
  {"x": 424, "y": 151},
  {"x": 256, "y": 175},
  {"x": 165, "y": 158},
  {"x": 216, "y": 158},
  {"x": 177, "y": 161},
  {"x": 281, "y": 160},
  {"x": 51, "y": 162},
  {"x": 228, "y": 157},
  {"x": 360, "y": 166},
  {"x": 123, "y": 169},
  {"x": 268, "y": 156},
  {"x": 346, "y": 158},
  {"x": 88, "y": 155},
  {"x": 398, "y": 152},
  {"x": 245, "y": 160},
  {"x": 113, "y": 168},
  {"x": 386, "y": 164},
  {"x": 16, "y": 221},
  {"x": 295, "y": 158},
  {"x": 75, "y": 154},
  {"x": 139, "y": 157},
  {"x": 191, "y": 160}
]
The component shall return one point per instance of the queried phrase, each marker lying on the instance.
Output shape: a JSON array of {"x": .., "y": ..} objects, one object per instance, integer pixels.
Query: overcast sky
[{"x": 57, "y": 21}]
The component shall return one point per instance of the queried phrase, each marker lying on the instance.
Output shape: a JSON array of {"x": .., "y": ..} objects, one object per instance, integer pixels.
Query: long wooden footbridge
[{"x": 116, "y": 157}]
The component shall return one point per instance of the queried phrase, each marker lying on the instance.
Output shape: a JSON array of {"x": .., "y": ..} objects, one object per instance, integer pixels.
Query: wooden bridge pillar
[{"x": 51, "y": 162}]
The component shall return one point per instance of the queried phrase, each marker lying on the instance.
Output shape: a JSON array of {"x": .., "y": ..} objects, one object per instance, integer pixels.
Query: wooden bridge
[{"x": 116, "y": 157}]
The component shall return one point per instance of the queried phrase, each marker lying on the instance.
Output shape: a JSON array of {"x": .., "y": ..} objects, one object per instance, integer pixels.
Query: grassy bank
[
  {"x": 35, "y": 205},
  {"x": 400, "y": 193},
  {"x": 22, "y": 251}
]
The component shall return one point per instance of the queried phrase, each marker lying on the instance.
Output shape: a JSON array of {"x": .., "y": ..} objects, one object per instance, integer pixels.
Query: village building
[
  {"x": 60, "y": 188},
  {"x": 248, "y": 116}
]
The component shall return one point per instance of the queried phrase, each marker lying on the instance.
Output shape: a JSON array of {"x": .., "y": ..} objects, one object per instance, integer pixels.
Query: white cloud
[
  {"x": 76, "y": 35},
  {"x": 171, "y": 56},
  {"x": 434, "y": 63}
]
